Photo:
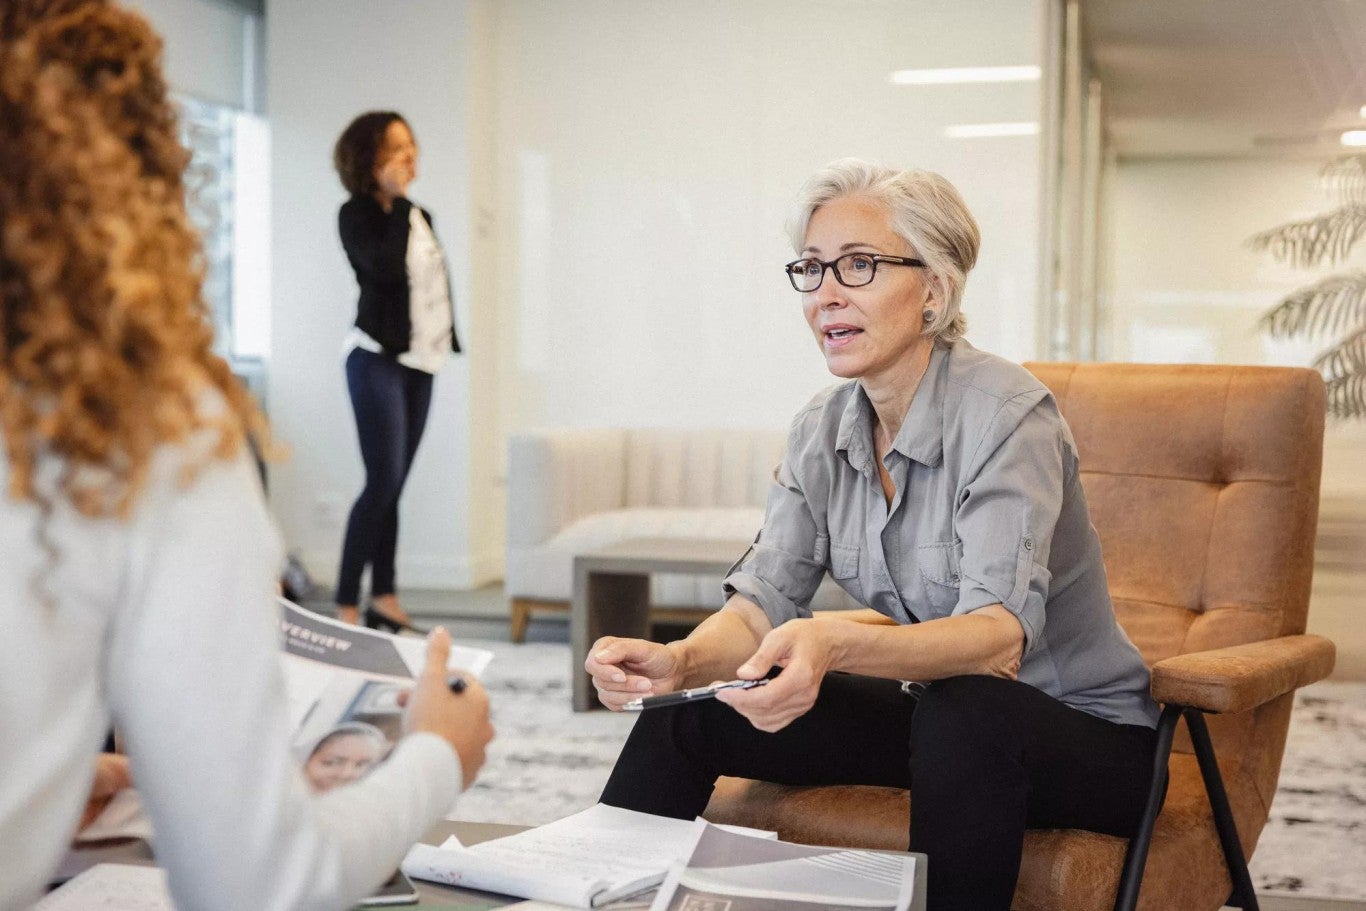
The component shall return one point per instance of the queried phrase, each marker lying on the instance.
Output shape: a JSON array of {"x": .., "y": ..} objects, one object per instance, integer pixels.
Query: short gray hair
[{"x": 926, "y": 211}]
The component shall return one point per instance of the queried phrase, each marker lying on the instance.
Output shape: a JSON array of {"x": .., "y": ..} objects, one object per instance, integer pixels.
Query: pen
[{"x": 692, "y": 695}]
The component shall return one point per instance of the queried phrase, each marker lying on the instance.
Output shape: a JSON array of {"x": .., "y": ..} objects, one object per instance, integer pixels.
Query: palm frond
[
  {"x": 1304, "y": 244},
  {"x": 1347, "y": 396},
  {"x": 1345, "y": 358},
  {"x": 1334, "y": 304},
  {"x": 1346, "y": 178}
]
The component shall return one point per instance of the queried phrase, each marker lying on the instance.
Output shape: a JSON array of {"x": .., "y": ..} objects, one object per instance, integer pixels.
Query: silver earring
[{"x": 929, "y": 315}]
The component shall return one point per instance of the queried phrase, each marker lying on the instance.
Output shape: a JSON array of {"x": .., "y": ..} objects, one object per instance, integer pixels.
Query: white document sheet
[
  {"x": 111, "y": 887},
  {"x": 593, "y": 857},
  {"x": 747, "y": 874},
  {"x": 638, "y": 903}
]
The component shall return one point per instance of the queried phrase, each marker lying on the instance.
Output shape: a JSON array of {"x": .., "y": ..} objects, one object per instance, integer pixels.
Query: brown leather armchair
[{"x": 1203, "y": 482}]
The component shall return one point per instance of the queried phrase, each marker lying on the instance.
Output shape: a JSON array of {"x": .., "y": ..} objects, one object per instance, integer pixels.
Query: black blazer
[{"x": 376, "y": 243}]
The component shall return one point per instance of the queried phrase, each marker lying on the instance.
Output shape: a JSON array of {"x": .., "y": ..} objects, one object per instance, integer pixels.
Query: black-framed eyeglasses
[{"x": 852, "y": 270}]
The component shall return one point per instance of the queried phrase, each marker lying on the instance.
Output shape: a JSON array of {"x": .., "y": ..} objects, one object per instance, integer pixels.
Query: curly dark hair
[
  {"x": 105, "y": 338},
  {"x": 354, "y": 154}
]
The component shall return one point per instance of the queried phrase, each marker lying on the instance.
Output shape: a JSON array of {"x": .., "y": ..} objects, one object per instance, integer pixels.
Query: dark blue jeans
[{"x": 390, "y": 402}]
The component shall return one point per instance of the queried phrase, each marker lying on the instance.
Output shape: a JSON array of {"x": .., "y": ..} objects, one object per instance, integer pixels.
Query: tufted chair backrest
[{"x": 1203, "y": 482}]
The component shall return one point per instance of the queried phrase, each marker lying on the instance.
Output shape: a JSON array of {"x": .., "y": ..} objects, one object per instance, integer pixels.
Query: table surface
[
  {"x": 435, "y": 896},
  {"x": 430, "y": 895}
]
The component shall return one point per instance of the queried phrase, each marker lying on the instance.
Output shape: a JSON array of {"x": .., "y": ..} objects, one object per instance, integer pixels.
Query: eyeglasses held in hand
[{"x": 852, "y": 270}]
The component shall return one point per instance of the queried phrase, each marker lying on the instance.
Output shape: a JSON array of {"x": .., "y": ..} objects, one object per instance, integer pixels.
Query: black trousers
[
  {"x": 985, "y": 759},
  {"x": 390, "y": 402}
]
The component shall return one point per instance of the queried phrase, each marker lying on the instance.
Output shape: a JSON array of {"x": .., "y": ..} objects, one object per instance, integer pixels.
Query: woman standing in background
[{"x": 403, "y": 334}]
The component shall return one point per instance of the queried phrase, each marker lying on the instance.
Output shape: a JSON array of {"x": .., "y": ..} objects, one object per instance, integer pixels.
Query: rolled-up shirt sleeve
[
  {"x": 1007, "y": 510},
  {"x": 783, "y": 567}
]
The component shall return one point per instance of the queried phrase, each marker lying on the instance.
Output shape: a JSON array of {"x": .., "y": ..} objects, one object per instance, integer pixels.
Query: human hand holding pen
[
  {"x": 805, "y": 650},
  {"x": 462, "y": 719},
  {"x": 626, "y": 669}
]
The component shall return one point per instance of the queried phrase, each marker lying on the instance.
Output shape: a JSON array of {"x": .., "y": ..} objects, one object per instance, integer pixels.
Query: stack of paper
[
  {"x": 585, "y": 860},
  {"x": 739, "y": 873}
]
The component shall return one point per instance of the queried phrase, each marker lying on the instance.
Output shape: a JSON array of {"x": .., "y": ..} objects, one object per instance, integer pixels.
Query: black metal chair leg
[
  {"x": 1243, "y": 895},
  {"x": 1136, "y": 856}
]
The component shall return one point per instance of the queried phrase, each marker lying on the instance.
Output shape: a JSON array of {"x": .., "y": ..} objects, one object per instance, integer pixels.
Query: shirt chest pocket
[
  {"x": 844, "y": 569},
  {"x": 939, "y": 578}
]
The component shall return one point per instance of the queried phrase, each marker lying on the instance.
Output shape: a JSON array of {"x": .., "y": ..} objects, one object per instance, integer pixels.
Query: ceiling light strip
[
  {"x": 966, "y": 74},
  {"x": 990, "y": 130}
]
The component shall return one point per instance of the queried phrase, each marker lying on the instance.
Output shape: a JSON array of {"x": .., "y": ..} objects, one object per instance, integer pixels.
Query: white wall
[
  {"x": 610, "y": 182},
  {"x": 205, "y": 48},
  {"x": 327, "y": 62},
  {"x": 1184, "y": 287},
  {"x": 647, "y": 154}
]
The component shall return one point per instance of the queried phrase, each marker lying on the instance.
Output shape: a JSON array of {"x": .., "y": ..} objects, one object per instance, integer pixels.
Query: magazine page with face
[{"x": 343, "y": 688}]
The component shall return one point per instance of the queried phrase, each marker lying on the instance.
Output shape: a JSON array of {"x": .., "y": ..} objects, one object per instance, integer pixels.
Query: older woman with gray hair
[{"x": 939, "y": 486}]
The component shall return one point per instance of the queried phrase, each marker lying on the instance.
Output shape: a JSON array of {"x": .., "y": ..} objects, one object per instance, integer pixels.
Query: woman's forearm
[
  {"x": 987, "y": 641},
  {"x": 722, "y": 642}
]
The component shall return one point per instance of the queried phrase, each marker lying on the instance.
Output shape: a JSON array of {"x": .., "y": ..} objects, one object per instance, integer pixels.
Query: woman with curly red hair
[{"x": 139, "y": 560}]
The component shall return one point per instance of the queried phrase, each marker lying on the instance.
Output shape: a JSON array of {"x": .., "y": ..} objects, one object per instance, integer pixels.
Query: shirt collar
[
  {"x": 854, "y": 439},
  {"x": 922, "y": 432},
  {"x": 921, "y": 437}
]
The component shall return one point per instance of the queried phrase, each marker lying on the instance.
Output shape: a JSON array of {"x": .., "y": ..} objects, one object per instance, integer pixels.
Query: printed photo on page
[{"x": 343, "y": 684}]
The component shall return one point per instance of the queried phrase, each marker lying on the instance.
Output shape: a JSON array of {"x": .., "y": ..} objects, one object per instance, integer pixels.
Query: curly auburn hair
[
  {"x": 354, "y": 154},
  {"x": 105, "y": 338}
]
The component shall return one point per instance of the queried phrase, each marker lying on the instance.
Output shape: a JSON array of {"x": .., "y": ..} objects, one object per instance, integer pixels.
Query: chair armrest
[
  {"x": 556, "y": 477},
  {"x": 1241, "y": 677}
]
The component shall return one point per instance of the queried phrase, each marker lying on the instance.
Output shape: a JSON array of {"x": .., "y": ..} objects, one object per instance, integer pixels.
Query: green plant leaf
[
  {"x": 1345, "y": 358},
  {"x": 1305, "y": 244},
  {"x": 1334, "y": 304},
  {"x": 1347, "y": 396}
]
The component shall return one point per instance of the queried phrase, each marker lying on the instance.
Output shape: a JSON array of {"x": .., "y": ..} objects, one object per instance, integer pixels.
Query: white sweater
[{"x": 166, "y": 625}]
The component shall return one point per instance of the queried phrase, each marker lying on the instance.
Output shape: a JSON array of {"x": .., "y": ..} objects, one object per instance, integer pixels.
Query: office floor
[{"x": 482, "y": 614}]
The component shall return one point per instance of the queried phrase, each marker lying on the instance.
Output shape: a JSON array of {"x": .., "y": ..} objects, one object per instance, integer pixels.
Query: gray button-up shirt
[{"x": 989, "y": 509}]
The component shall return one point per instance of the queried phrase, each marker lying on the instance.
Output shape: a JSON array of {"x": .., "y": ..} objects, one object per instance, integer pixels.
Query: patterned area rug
[
  {"x": 548, "y": 762},
  {"x": 1314, "y": 844}
]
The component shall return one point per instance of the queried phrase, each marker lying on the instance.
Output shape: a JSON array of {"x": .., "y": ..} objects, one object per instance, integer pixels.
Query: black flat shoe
[{"x": 374, "y": 619}]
